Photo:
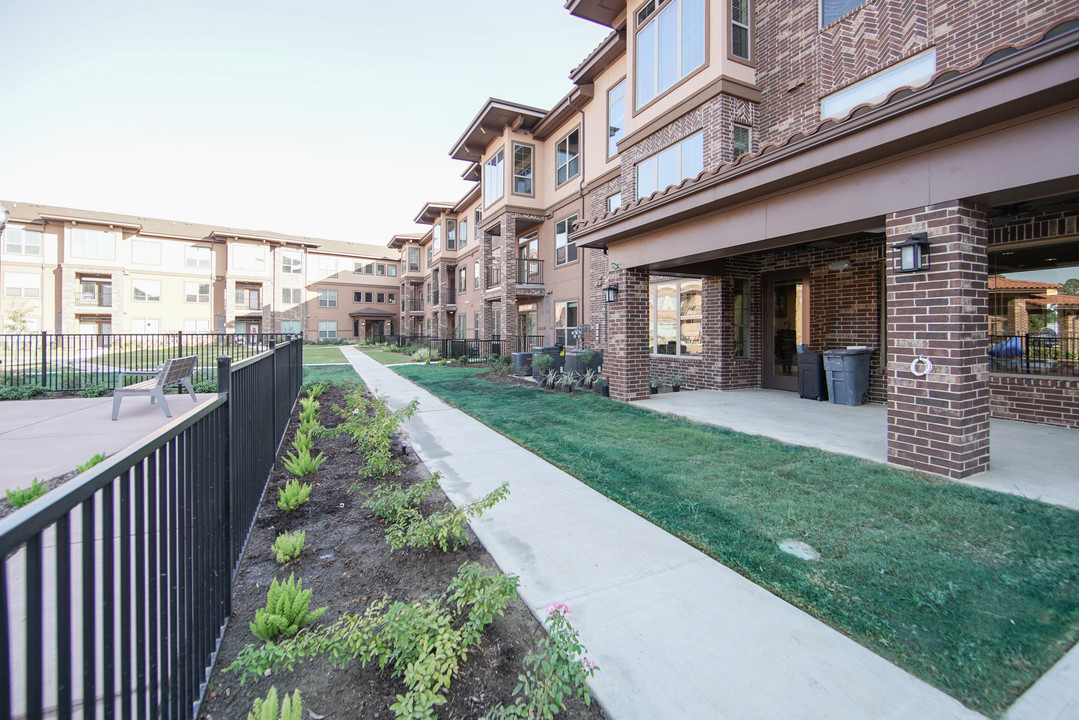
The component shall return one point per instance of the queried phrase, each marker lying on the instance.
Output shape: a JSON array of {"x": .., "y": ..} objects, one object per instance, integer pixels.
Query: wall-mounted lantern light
[
  {"x": 914, "y": 253},
  {"x": 610, "y": 293}
]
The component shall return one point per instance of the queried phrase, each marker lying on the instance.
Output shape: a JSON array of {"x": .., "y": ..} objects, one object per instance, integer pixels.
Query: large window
[
  {"x": 291, "y": 296},
  {"x": 196, "y": 256},
  {"x": 915, "y": 71},
  {"x": 616, "y": 116},
  {"x": 462, "y": 326},
  {"x": 670, "y": 166},
  {"x": 740, "y": 29},
  {"x": 327, "y": 267},
  {"x": 462, "y": 232},
  {"x": 436, "y": 237},
  {"x": 565, "y": 320},
  {"x": 392, "y": 270},
  {"x": 145, "y": 253},
  {"x": 476, "y": 223},
  {"x": 197, "y": 292},
  {"x": 22, "y": 242},
  {"x": 451, "y": 234},
  {"x": 832, "y": 10},
  {"x": 670, "y": 45},
  {"x": 568, "y": 157},
  {"x": 145, "y": 325},
  {"x": 494, "y": 178},
  {"x": 196, "y": 325},
  {"x": 522, "y": 169},
  {"x": 146, "y": 290},
  {"x": 565, "y": 250},
  {"x": 94, "y": 244},
  {"x": 327, "y": 329},
  {"x": 380, "y": 268},
  {"x": 476, "y": 274},
  {"x": 327, "y": 298},
  {"x": 462, "y": 278},
  {"x": 413, "y": 259},
  {"x": 674, "y": 318},
  {"x": 290, "y": 262},
  {"x": 614, "y": 202},
  {"x": 25, "y": 285},
  {"x": 740, "y": 321},
  {"x": 251, "y": 258},
  {"x": 290, "y": 327}
]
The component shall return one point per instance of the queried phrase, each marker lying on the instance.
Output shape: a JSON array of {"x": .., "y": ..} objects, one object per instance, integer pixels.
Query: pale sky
[{"x": 325, "y": 118}]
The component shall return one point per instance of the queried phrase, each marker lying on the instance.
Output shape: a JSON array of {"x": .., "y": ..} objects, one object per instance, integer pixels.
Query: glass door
[{"x": 786, "y": 313}]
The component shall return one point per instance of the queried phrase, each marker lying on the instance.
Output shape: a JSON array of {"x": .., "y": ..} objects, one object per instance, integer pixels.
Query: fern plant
[
  {"x": 288, "y": 546},
  {"x": 293, "y": 495},
  {"x": 285, "y": 612},
  {"x": 301, "y": 463},
  {"x": 267, "y": 709},
  {"x": 315, "y": 390},
  {"x": 19, "y": 497},
  {"x": 97, "y": 458}
]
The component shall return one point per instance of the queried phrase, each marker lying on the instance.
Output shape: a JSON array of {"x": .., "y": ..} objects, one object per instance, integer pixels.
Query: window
[
  {"x": 462, "y": 226},
  {"x": 251, "y": 258},
  {"x": 290, "y": 327},
  {"x": 291, "y": 296},
  {"x": 428, "y": 292},
  {"x": 94, "y": 244},
  {"x": 369, "y": 269},
  {"x": 327, "y": 329},
  {"x": 392, "y": 270},
  {"x": 327, "y": 298},
  {"x": 357, "y": 297},
  {"x": 567, "y": 157},
  {"x": 493, "y": 179},
  {"x": 565, "y": 321},
  {"x": 196, "y": 325},
  {"x": 380, "y": 268},
  {"x": 832, "y": 10},
  {"x": 368, "y": 297},
  {"x": 674, "y": 318},
  {"x": 22, "y": 242},
  {"x": 391, "y": 298},
  {"x": 740, "y": 29},
  {"x": 741, "y": 140},
  {"x": 616, "y": 116},
  {"x": 430, "y": 255},
  {"x": 462, "y": 326},
  {"x": 414, "y": 259},
  {"x": 290, "y": 262},
  {"x": 914, "y": 72},
  {"x": 522, "y": 169},
  {"x": 614, "y": 202},
  {"x": 327, "y": 267},
  {"x": 145, "y": 253},
  {"x": 476, "y": 224},
  {"x": 476, "y": 325},
  {"x": 196, "y": 256},
  {"x": 476, "y": 274},
  {"x": 146, "y": 290},
  {"x": 380, "y": 298},
  {"x": 436, "y": 237},
  {"x": 565, "y": 250},
  {"x": 145, "y": 325},
  {"x": 462, "y": 276},
  {"x": 740, "y": 321},
  {"x": 25, "y": 285},
  {"x": 197, "y": 292},
  {"x": 451, "y": 234},
  {"x": 670, "y": 166},
  {"x": 248, "y": 297},
  {"x": 670, "y": 45}
]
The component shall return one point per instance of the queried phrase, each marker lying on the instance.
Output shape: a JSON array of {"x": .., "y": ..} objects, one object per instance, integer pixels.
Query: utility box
[
  {"x": 522, "y": 363},
  {"x": 811, "y": 379},
  {"x": 848, "y": 374},
  {"x": 558, "y": 360}
]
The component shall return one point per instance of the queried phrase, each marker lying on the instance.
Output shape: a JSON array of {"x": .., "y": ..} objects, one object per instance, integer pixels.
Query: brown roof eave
[
  {"x": 492, "y": 117},
  {"x": 566, "y": 108},
  {"x": 91, "y": 221},
  {"x": 600, "y": 59},
  {"x": 602, "y": 12}
]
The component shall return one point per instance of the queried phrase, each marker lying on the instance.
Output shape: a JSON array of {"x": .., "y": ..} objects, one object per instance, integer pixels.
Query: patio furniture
[{"x": 177, "y": 371}]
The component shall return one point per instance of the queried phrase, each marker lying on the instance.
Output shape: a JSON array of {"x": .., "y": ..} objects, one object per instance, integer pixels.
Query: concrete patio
[{"x": 1034, "y": 461}]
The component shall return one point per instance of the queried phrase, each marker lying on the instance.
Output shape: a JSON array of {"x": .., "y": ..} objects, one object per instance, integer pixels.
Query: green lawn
[
  {"x": 386, "y": 357},
  {"x": 973, "y": 591},
  {"x": 322, "y": 354},
  {"x": 330, "y": 374}
]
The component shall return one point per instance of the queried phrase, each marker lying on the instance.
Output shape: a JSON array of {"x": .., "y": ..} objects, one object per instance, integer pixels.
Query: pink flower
[
  {"x": 587, "y": 664},
  {"x": 558, "y": 609}
]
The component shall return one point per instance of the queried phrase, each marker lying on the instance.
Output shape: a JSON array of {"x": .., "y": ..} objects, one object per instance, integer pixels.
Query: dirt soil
[{"x": 348, "y": 564}]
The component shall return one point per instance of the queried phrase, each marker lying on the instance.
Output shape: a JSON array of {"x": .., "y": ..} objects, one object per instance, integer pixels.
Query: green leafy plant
[
  {"x": 552, "y": 379},
  {"x": 390, "y": 502},
  {"x": 372, "y": 426},
  {"x": 676, "y": 381},
  {"x": 19, "y": 497},
  {"x": 655, "y": 382},
  {"x": 589, "y": 377},
  {"x": 308, "y": 409},
  {"x": 315, "y": 390},
  {"x": 267, "y": 708},
  {"x": 288, "y": 546},
  {"x": 207, "y": 386},
  {"x": 447, "y": 529},
  {"x": 587, "y": 357},
  {"x": 423, "y": 642},
  {"x": 285, "y": 612},
  {"x": 425, "y": 355},
  {"x": 300, "y": 463},
  {"x": 97, "y": 458},
  {"x": 293, "y": 495},
  {"x": 541, "y": 363},
  {"x": 499, "y": 364},
  {"x": 22, "y": 392},
  {"x": 95, "y": 390}
]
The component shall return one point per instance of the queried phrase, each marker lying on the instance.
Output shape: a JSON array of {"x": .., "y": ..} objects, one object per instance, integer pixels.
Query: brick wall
[
  {"x": 625, "y": 361},
  {"x": 1046, "y": 401}
]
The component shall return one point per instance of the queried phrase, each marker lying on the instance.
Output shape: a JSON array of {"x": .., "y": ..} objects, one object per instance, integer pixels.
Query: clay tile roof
[
  {"x": 1003, "y": 283},
  {"x": 897, "y": 94},
  {"x": 1070, "y": 301}
]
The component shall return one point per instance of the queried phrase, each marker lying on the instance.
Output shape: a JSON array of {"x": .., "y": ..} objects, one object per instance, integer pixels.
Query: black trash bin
[
  {"x": 811, "y": 382},
  {"x": 848, "y": 375}
]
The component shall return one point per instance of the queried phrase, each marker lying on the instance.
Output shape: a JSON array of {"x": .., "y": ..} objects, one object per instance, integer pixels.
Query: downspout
[{"x": 581, "y": 214}]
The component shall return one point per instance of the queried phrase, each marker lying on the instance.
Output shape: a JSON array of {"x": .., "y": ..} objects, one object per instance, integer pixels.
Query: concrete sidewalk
[{"x": 675, "y": 633}]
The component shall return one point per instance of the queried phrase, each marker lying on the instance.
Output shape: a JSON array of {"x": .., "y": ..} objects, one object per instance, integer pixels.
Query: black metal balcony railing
[
  {"x": 415, "y": 305},
  {"x": 494, "y": 276},
  {"x": 434, "y": 296},
  {"x": 451, "y": 296},
  {"x": 529, "y": 271},
  {"x": 1038, "y": 353}
]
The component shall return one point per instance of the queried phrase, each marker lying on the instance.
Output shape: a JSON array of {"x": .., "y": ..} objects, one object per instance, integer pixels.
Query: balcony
[
  {"x": 94, "y": 294},
  {"x": 415, "y": 306},
  {"x": 529, "y": 271},
  {"x": 494, "y": 276}
]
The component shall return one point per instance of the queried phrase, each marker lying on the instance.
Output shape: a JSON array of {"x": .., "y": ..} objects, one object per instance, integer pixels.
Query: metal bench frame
[{"x": 177, "y": 371}]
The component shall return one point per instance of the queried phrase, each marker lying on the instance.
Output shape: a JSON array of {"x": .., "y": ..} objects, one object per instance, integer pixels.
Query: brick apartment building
[{"x": 727, "y": 172}]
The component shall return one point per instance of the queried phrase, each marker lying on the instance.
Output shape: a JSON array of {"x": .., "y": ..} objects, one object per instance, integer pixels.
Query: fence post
[
  {"x": 44, "y": 357},
  {"x": 224, "y": 373},
  {"x": 179, "y": 343},
  {"x": 273, "y": 404}
]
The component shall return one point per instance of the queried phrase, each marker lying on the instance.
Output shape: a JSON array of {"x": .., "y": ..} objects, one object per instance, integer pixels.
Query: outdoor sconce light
[
  {"x": 914, "y": 253},
  {"x": 610, "y": 293}
]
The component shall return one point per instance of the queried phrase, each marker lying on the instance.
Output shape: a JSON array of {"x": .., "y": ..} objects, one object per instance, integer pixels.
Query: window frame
[
  {"x": 568, "y": 223},
  {"x": 82, "y": 235},
  {"x": 198, "y": 294},
  {"x": 193, "y": 259},
  {"x": 10, "y": 233},
  {"x": 414, "y": 267},
  {"x": 145, "y": 244},
  {"x": 612, "y": 140},
  {"x": 570, "y": 159},
  {"x": 489, "y": 175},
  {"x": 296, "y": 293},
  {"x": 291, "y": 262},
  {"x": 612, "y": 207},
  {"x": 462, "y": 232},
  {"x": 324, "y": 334},
  {"x": 258, "y": 255},
  {"x": 820, "y": 13},
  {"x": 531, "y": 177},
  {"x": 451, "y": 234},
  {"x": 680, "y": 175},
  {"x": 735, "y": 126},
  {"x": 746, "y": 323},
  {"x": 567, "y": 330},
  {"x": 147, "y": 297},
  {"x": 660, "y": 7},
  {"x": 653, "y": 318},
  {"x": 748, "y": 26},
  {"x": 380, "y": 269},
  {"x": 462, "y": 278},
  {"x": 22, "y": 287},
  {"x": 327, "y": 298}
]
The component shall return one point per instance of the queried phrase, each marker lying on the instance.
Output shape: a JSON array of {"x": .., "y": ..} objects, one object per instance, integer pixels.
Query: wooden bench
[{"x": 177, "y": 371}]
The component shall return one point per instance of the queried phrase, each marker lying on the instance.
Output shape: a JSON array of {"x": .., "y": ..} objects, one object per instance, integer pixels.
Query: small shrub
[
  {"x": 542, "y": 363},
  {"x": 97, "y": 458},
  {"x": 390, "y": 502},
  {"x": 447, "y": 529},
  {"x": 19, "y": 497},
  {"x": 655, "y": 382},
  {"x": 267, "y": 709},
  {"x": 288, "y": 546},
  {"x": 552, "y": 377},
  {"x": 301, "y": 463},
  {"x": 95, "y": 390},
  {"x": 315, "y": 390},
  {"x": 309, "y": 409},
  {"x": 676, "y": 381},
  {"x": 22, "y": 392},
  {"x": 590, "y": 376},
  {"x": 425, "y": 354},
  {"x": 205, "y": 386},
  {"x": 587, "y": 357},
  {"x": 285, "y": 612},
  {"x": 293, "y": 495},
  {"x": 372, "y": 425},
  {"x": 499, "y": 364}
]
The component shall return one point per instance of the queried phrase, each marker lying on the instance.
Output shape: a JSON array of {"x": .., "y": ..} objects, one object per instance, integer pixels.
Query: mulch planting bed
[{"x": 347, "y": 562}]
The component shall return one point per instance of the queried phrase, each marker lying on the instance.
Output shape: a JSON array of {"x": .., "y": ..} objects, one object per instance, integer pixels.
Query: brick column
[
  {"x": 626, "y": 362},
  {"x": 508, "y": 241},
  {"x": 1018, "y": 320},
  {"x": 939, "y": 422}
]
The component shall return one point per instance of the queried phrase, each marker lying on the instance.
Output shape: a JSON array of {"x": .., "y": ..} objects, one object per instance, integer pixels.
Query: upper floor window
[
  {"x": 451, "y": 234},
  {"x": 741, "y": 140},
  {"x": 430, "y": 255},
  {"x": 249, "y": 257},
  {"x": 476, "y": 274},
  {"x": 740, "y": 29},
  {"x": 380, "y": 268},
  {"x": 522, "y": 169},
  {"x": 391, "y": 269},
  {"x": 197, "y": 256},
  {"x": 369, "y": 269},
  {"x": 914, "y": 71},
  {"x": 832, "y": 10},
  {"x": 24, "y": 285},
  {"x": 327, "y": 298},
  {"x": 248, "y": 297},
  {"x": 476, "y": 225},
  {"x": 436, "y": 237},
  {"x": 567, "y": 157},
  {"x": 291, "y": 296},
  {"x": 462, "y": 230},
  {"x": 670, "y": 45},
  {"x": 145, "y": 253},
  {"x": 197, "y": 292},
  {"x": 616, "y": 116},
  {"x": 565, "y": 250},
  {"x": 670, "y": 166},
  {"x": 94, "y": 244},
  {"x": 494, "y": 178},
  {"x": 22, "y": 242},
  {"x": 146, "y": 290},
  {"x": 462, "y": 277},
  {"x": 413, "y": 259},
  {"x": 290, "y": 262},
  {"x": 614, "y": 202},
  {"x": 327, "y": 267}
]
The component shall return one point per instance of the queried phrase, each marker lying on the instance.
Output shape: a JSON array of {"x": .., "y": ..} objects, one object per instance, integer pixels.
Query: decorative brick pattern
[
  {"x": 1046, "y": 401},
  {"x": 940, "y": 422}
]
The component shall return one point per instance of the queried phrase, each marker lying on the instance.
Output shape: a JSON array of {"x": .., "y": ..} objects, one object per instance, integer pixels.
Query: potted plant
[
  {"x": 589, "y": 379},
  {"x": 553, "y": 379},
  {"x": 600, "y": 387},
  {"x": 569, "y": 379},
  {"x": 676, "y": 383},
  {"x": 653, "y": 385}
]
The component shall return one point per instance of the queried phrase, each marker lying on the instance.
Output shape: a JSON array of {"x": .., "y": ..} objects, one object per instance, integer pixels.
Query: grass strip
[
  {"x": 386, "y": 357},
  {"x": 975, "y": 592},
  {"x": 330, "y": 374},
  {"x": 322, "y": 354}
]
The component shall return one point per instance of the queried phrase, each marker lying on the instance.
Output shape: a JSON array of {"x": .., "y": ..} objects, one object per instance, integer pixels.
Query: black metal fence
[
  {"x": 1040, "y": 353},
  {"x": 59, "y": 361},
  {"x": 115, "y": 588}
]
